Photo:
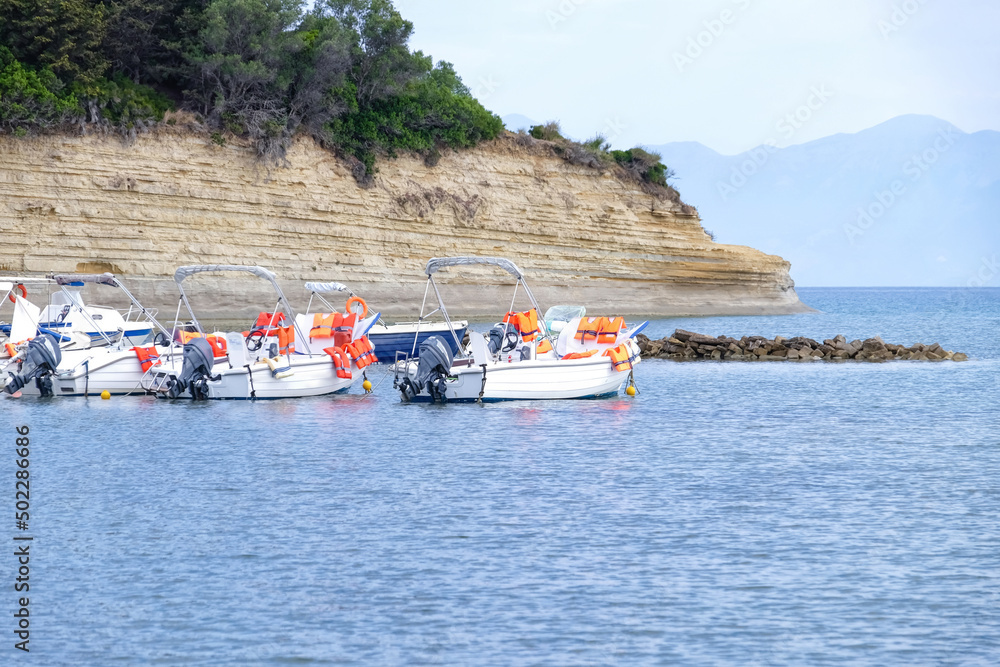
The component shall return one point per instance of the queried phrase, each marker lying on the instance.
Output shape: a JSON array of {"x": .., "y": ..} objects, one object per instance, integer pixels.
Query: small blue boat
[
  {"x": 393, "y": 339},
  {"x": 390, "y": 340}
]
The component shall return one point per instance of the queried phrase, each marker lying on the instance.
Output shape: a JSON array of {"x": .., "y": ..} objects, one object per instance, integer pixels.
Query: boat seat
[
  {"x": 237, "y": 349},
  {"x": 480, "y": 351}
]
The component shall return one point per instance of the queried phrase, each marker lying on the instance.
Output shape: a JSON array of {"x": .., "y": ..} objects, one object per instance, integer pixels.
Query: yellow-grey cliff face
[{"x": 173, "y": 197}]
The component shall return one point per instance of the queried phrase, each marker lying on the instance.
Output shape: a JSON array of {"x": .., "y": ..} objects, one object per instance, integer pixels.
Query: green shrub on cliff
[
  {"x": 30, "y": 98},
  {"x": 596, "y": 153},
  {"x": 433, "y": 112},
  {"x": 549, "y": 131},
  {"x": 644, "y": 165},
  {"x": 33, "y": 99},
  {"x": 120, "y": 103}
]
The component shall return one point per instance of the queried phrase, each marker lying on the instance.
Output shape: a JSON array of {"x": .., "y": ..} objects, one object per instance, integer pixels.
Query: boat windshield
[{"x": 557, "y": 317}]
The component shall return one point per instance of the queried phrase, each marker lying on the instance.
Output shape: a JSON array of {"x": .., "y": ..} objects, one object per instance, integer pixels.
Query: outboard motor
[
  {"x": 435, "y": 362},
  {"x": 196, "y": 371},
  {"x": 502, "y": 338},
  {"x": 40, "y": 362}
]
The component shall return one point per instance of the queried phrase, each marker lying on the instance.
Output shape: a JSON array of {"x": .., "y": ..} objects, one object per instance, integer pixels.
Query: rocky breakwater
[{"x": 689, "y": 346}]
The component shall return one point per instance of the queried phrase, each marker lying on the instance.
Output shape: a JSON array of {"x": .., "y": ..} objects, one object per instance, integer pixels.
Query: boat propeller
[
  {"x": 435, "y": 361},
  {"x": 196, "y": 372},
  {"x": 40, "y": 363}
]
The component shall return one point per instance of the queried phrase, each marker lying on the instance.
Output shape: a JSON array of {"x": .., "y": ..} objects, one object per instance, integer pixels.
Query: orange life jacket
[
  {"x": 219, "y": 346},
  {"x": 148, "y": 357},
  {"x": 580, "y": 355},
  {"x": 363, "y": 352},
  {"x": 526, "y": 324},
  {"x": 343, "y": 329},
  {"x": 341, "y": 362},
  {"x": 12, "y": 349},
  {"x": 589, "y": 329},
  {"x": 268, "y": 322},
  {"x": 620, "y": 357},
  {"x": 345, "y": 323},
  {"x": 323, "y": 325},
  {"x": 609, "y": 328},
  {"x": 188, "y": 336},
  {"x": 543, "y": 347},
  {"x": 286, "y": 340}
]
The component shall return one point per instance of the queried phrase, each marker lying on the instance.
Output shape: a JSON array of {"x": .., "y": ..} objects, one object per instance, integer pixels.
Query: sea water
[{"x": 731, "y": 513}]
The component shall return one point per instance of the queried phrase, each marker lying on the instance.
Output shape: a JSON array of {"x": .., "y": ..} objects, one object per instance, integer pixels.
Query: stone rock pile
[{"x": 685, "y": 345}]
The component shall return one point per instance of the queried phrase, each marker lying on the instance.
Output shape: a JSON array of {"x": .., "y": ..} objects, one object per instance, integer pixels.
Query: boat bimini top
[
  {"x": 94, "y": 278},
  {"x": 185, "y": 272},
  {"x": 364, "y": 323},
  {"x": 438, "y": 263},
  {"x": 327, "y": 288},
  {"x": 317, "y": 290}
]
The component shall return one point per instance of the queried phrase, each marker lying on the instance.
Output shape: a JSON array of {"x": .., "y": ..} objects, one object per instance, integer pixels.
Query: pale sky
[{"x": 628, "y": 67}]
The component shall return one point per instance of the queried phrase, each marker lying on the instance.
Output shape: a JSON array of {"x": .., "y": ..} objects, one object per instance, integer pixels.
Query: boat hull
[
  {"x": 398, "y": 339},
  {"x": 533, "y": 380},
  {"x": 313, "y": 375},
  {"x": 93, "y": 371},
  {"x": 140, "y": 332}
]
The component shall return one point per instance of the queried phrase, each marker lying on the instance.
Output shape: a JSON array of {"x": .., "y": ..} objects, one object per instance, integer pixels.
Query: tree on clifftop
[
  {"x": 264, "y": 70},
  {"x": 253, "y": 73},
  {"x": 381, "y": 62}
]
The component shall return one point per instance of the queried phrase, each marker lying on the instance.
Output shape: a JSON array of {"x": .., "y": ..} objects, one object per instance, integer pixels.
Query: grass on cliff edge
[{"x": 636, "y": 164}]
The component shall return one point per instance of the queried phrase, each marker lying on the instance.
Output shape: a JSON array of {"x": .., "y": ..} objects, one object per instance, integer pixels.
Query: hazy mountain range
[{"x": 914, "y": 201}]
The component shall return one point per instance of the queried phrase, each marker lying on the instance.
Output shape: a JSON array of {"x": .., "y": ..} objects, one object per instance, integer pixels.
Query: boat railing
[
  {"x": 401, "y": 367},
  {"x": 127, "y": 313},
  {"x": 419, "y": 323}
]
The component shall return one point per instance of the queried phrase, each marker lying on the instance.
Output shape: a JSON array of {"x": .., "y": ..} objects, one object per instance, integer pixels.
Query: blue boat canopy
[{"x": 79, "y": 280}]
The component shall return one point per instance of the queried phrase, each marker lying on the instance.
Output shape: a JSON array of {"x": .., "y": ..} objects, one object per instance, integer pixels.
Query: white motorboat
[
  {"x": 76, "y": 324},
  {"x": 117, "y": 366},
  {"x": 521, "y": 359},
  {"x": 275, "y": 359},
  {"x": 391, "y": 341}
]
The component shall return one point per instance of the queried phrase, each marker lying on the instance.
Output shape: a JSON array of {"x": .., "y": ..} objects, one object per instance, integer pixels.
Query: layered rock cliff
[{"x": 173, "y": 197}]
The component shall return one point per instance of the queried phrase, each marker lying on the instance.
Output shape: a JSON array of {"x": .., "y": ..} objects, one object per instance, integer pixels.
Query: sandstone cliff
[{"x": 173, "y": 197}]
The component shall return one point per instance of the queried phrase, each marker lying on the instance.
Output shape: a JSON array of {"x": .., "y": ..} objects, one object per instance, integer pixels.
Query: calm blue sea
[{"x": 751, "y": 514}]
